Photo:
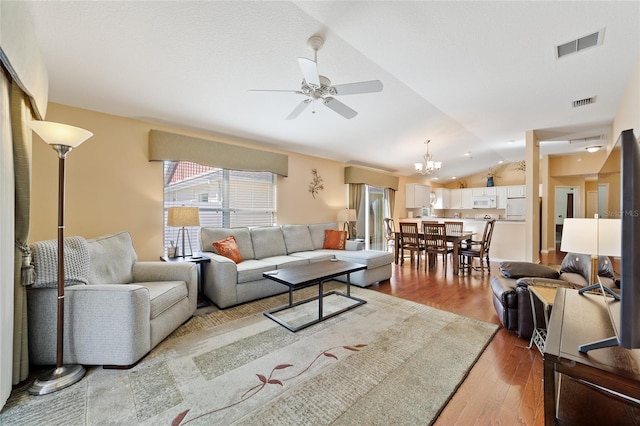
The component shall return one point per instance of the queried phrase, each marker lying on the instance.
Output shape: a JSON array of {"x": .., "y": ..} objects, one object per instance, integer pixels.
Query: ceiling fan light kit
[{"x": 317, "y": 87}]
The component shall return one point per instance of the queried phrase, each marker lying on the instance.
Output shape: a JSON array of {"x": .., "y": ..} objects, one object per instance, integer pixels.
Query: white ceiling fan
[{"x": 316, "y": 87}]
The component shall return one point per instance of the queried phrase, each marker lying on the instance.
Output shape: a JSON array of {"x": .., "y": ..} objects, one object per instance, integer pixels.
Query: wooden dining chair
[
  {"x": 479, "y": 250},
  {"x": 435, "y": 242},
  {"x": 389, "y": 233},
  {"x": 410, "y": 240},
  {"x": 452, "y": 227}
]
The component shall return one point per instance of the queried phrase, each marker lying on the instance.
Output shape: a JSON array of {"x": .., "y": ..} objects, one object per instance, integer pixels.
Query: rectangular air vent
[
  {"x": 582, "y": 43},
  {"x": 583, "y": 102}
]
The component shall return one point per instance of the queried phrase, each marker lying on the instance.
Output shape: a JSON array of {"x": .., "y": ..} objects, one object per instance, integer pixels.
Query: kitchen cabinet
[
  {"x": 501, "y": 197},
  {"x": 466, "y": 198},
  {"x": 455, "y": 199},
  {"x": 484, "y": 192},
  {"x": 442, "y": 198},
  {"x": 516, "y": 191},
  {"x": 417, "y": 195}
]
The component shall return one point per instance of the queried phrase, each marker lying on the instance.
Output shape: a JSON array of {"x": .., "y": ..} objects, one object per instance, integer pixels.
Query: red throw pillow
[
  {"x": 335, "y": 240},
  {"x": 228, "y": 248}
]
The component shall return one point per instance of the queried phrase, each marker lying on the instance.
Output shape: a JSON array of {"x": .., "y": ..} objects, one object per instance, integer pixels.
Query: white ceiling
[{"x": 469, "y": 76}]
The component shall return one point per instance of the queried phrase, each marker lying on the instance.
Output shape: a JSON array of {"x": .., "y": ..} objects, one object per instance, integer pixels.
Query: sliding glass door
[{"x": 374, "y": 208}]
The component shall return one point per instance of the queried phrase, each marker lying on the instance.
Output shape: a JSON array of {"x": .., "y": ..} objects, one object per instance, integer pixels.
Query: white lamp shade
[
  {"x": 60, "y": 134},
  {"x": 610, "y": 237},
  {"x": 183, "y": 216},
  {"x": 347, "y": 215},
  {"x": 592, "y": 236},
  {"x": 580, "y": 235}
]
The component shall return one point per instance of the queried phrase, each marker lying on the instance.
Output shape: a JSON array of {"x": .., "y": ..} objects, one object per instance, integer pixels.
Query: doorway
[{"x": 566, "y": 206}]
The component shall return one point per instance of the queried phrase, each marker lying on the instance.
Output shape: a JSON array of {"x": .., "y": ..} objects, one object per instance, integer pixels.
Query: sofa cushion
[
  {"x": 268, "y": 241},
  {"x": 242, "y": 236},
  {"x": 317, "y": 233},
  {"x": 228, "y": 248},
  {"x": 334, "y": 240},
  {"x": 164, "y": 294},
  {"x": 315, "y": 255},
  {"x": 112, "y": 258},
  {"x": 371, "y": 258},
  {"x": 297, "y": 238},
  {"x": 251, "y": 270},
  {"x": 517, "y": 270},
  {"x": 285, "y": 261}
]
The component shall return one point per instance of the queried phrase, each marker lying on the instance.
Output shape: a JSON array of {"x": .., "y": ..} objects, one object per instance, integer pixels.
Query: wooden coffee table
[{"x": 297, "y": 277}]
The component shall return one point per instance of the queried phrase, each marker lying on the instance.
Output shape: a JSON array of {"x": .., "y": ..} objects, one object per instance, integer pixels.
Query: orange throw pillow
[
  {"x": 228, "y": 248},
  {"x": 335, "y": 240}
]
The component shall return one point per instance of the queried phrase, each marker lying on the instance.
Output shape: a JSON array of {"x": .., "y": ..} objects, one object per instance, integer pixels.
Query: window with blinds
[{"x": 226, "y": 198}]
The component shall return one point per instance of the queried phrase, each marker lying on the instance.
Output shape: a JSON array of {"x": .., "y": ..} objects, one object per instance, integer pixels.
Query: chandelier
[{"x": 428, "y": 166}]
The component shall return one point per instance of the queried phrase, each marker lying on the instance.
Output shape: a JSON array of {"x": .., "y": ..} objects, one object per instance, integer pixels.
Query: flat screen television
[{"x": 620, "y": 175}]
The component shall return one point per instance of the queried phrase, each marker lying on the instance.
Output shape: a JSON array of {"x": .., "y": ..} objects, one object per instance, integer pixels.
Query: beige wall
[
  {"x": 628, "y": 114},
  {"x": 111, "y": 185}
]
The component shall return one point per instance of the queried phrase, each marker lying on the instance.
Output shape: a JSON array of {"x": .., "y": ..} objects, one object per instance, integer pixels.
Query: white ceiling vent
[
  {"x": 582, "y": 43},
  {"x": 583, "y": 102}
]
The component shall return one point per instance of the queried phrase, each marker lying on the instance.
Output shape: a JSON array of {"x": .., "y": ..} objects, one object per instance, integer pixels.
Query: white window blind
[{"x": 226, "y": 198}]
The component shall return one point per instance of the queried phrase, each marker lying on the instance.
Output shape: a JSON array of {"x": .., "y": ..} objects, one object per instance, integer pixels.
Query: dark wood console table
[{"x": 577, "y": 319}]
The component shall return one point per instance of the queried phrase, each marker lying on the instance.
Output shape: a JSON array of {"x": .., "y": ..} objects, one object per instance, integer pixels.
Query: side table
[
  {"x": 198, "y": 260},
  {"x": 547, "y": 296}
]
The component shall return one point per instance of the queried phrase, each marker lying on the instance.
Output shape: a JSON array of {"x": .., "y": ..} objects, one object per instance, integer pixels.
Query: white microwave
[{"x": 486, "y": 202}]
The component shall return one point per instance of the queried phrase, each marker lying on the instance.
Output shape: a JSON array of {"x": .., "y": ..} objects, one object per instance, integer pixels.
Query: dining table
[{"x": 454, "y": 237}]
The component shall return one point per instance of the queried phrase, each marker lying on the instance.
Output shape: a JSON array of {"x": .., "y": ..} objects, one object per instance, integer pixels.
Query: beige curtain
[
  {"x": 390, "y": 197},
  {"x": 22, "y": 155},
  {"x": 356, "y": 194}
]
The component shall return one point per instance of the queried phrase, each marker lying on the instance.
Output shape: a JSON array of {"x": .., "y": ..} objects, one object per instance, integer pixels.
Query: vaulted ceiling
[{"x": 472, "y": 77}]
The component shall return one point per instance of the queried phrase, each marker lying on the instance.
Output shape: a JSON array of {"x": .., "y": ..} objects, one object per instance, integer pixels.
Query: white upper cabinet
[
  {"x": 516, "y": 191},
  {"x": 417, "y": 195},
  {"x": 442, "y": 198}
]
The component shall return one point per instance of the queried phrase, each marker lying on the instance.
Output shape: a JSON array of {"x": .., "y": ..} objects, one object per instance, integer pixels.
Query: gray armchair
[{"x": 122, "y": 312}]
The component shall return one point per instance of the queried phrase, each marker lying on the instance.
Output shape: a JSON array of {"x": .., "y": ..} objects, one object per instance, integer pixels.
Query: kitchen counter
[{"x": 507, "y": 239}]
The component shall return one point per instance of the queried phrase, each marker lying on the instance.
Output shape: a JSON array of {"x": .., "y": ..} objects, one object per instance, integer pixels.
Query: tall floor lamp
[{"x": 62, "y": 138}]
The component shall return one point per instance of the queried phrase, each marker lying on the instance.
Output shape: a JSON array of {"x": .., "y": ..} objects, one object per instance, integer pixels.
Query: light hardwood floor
[{"x": 505, "y": 385}]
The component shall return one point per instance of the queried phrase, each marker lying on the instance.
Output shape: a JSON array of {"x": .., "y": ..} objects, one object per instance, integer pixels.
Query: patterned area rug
[{"x": 389, "y": 361}]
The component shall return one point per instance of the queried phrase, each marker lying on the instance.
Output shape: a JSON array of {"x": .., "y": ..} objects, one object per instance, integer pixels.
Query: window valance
[
  {"x": 370, "y": 177},
  {"x": 165, "y": 146}
]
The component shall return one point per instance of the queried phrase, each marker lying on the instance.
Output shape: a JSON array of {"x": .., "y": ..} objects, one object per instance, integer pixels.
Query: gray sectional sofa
[{"x": 266, "y": 248}]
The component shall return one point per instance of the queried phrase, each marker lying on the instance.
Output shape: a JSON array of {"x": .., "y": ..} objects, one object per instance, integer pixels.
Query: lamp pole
[{"x": 62, "y": 139}]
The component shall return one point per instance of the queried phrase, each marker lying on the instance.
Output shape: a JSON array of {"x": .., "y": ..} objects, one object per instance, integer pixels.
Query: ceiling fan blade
[
  {"x": 339, "y": 107},
  {"x": 360, "y": 87},
  {"x": 309, "y": 71},
  {"x": 282, "y": 91},
  {"x": 298, "y": 109}
]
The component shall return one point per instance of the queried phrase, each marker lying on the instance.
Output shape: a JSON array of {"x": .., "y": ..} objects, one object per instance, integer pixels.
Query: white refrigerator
[{"x": 516, "y": 209}]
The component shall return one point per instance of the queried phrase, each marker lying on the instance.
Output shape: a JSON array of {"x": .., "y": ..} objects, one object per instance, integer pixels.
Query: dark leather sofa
[{"x": 511, "y": 298}]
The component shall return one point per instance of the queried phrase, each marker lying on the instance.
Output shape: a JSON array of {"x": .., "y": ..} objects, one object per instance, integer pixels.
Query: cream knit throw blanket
[{"x": 76, "y": 262}]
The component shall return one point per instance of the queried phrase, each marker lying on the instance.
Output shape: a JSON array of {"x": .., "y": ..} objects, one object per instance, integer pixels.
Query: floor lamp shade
[
  {"x": 345, "y": 216},
  {"x": 182, "y": 217},
  {"x": 62, "y": 138}
]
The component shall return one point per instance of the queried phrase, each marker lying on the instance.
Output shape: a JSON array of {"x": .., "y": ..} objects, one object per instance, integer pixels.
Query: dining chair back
[
  {"x": 435, "y": 241},
  {"x": 410, "y": 240},
  {"x": 389, "y": 232},
  {"x": 479, "y": 249}
]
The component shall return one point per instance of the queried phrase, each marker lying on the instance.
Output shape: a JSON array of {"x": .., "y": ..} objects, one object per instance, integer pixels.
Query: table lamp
[
  {"x": 181, "y": 217},
  {"x": 595, "y": 237},
  {"x": 62, "y": 138},
  {"x": 345, "y": 216}
]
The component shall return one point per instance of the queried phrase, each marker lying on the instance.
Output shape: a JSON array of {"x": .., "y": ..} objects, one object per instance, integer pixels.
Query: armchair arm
[
  {"x": 220, "y": 280},
  {"x": 105, "y": 324},
  {"x": 165, "y": 271}
]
